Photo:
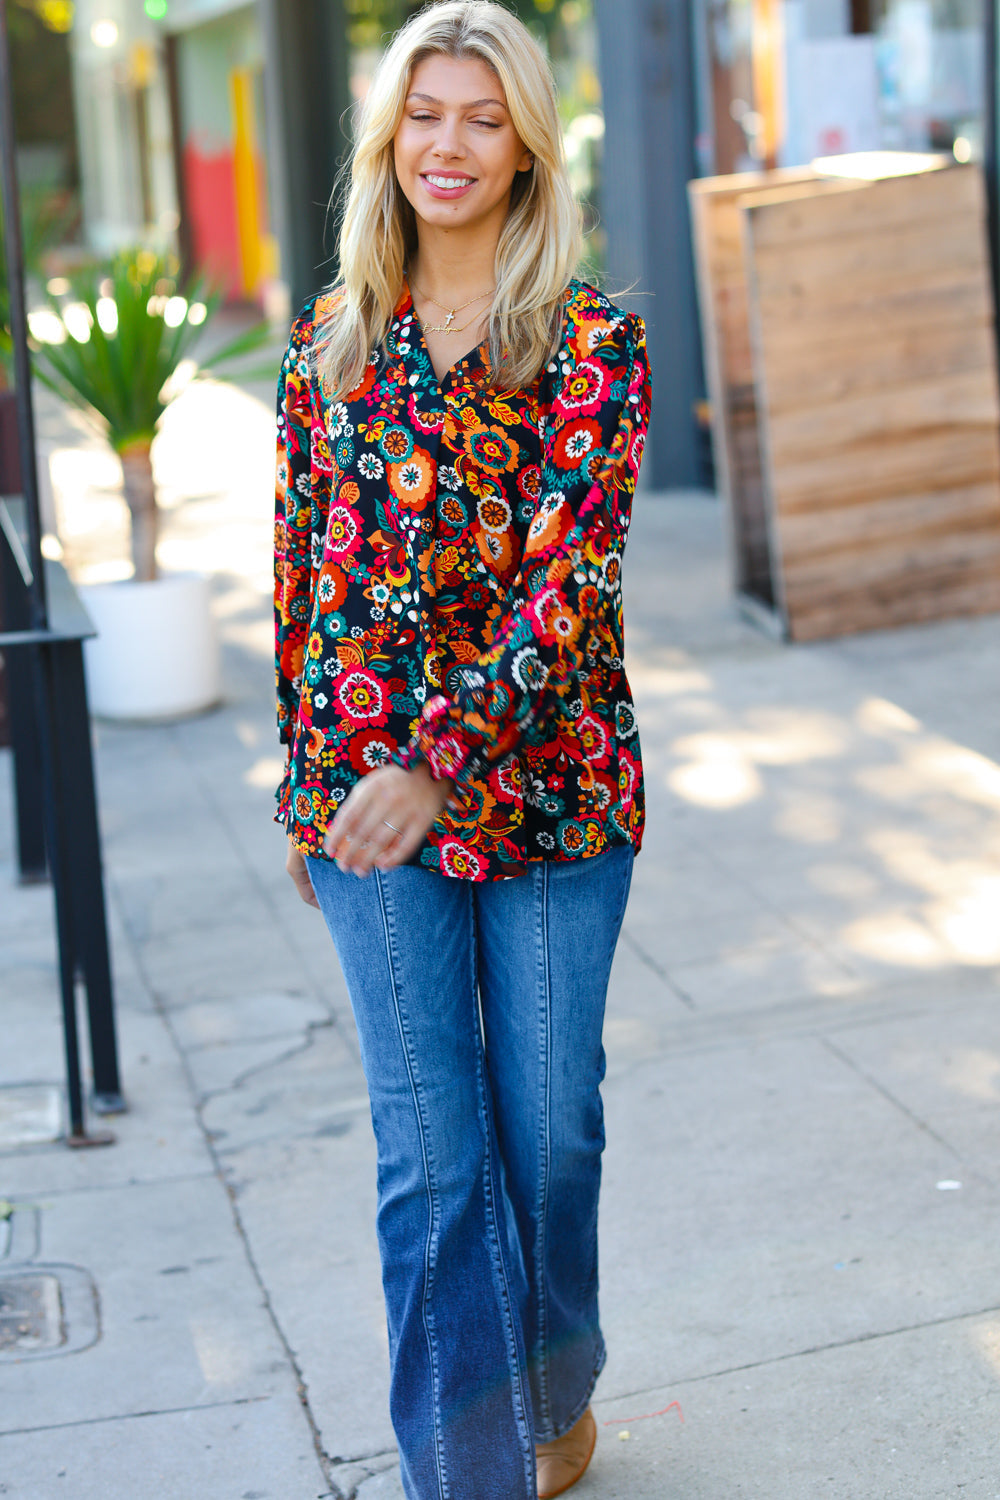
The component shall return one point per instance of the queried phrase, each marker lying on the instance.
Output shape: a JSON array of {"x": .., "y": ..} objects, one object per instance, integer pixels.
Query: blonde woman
[{"x": 460, "y": 429}]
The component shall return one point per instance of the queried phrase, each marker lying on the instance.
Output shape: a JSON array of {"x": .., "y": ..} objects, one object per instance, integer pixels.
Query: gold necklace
[{"x": 448, "y": 326}]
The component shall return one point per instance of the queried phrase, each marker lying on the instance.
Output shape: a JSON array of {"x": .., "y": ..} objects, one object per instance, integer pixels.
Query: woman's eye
[{"x": 490, "y": 124}]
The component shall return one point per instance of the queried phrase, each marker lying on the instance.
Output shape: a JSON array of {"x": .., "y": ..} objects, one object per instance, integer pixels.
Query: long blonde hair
[{"x": 539, "y": 244}]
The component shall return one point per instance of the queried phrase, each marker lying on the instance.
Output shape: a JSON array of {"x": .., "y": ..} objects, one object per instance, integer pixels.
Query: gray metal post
[
  {"x": 647, "y": 78},
  {"x": 307, "y": 102}
]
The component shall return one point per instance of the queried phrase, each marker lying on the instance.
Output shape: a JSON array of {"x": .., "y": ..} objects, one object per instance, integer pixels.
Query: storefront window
[{"x": 784, "y": 81}]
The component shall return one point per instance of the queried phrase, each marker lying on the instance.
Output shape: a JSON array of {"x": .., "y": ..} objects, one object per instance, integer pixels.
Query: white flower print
[
  {"x": 370, "y": 466},
  {"x": 337, "y": 420}
]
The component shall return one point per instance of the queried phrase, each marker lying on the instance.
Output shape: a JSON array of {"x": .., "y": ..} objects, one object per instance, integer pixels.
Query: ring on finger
[{"x": 397, "y": 831}]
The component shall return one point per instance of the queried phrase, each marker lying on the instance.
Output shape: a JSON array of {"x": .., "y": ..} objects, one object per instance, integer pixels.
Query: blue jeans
[{"x": 480, "y": 1009}]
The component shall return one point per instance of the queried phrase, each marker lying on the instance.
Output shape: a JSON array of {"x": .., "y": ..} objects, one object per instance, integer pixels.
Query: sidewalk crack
[
  {"x": 657, "y": 969},
  {"x": 889, "y": 1097}
]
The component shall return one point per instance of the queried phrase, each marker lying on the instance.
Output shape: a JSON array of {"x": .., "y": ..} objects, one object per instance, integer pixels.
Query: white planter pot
[{"x": 156, "y": 652}]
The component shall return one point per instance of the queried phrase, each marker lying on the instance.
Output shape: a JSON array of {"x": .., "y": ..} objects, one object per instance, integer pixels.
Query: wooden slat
[
  {"x": 900, "y": 311},
  {"x": 926, "y": 599},
  {"x": 927, "y": 198},
  {"x": 892, "y": 564},
  {"x": 867, "y": 472},
  {"x": 966, "y": 399},
  {"x": 833, "y": 530},
  {"x": 870, "y": 271},
  {"x": 869, "y": 361}
]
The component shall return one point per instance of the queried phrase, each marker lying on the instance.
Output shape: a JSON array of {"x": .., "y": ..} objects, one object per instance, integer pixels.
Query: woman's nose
[{"x": 447, "y": 140}]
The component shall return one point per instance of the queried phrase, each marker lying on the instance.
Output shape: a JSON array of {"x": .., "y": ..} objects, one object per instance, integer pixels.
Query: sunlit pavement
[{"x": 800, "y": 1221}]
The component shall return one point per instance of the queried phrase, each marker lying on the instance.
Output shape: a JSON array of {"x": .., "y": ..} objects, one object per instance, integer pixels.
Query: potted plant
[{"x": 113, "y": 345}]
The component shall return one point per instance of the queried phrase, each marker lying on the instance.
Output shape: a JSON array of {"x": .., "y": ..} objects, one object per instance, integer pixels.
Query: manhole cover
[
  {"x": 46, "y": 1310},
  {"x": 30, "y": 1313}
]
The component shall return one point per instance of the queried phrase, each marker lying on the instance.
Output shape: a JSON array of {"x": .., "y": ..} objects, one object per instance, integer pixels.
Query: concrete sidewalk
[{"x": 801, "y": 1239}]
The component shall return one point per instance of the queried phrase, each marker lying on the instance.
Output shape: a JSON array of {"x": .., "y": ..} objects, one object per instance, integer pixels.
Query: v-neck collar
[{"x": 473, "y": 361}]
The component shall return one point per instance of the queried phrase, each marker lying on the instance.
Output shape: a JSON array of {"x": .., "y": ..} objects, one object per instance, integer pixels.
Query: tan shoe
[{"x": 562, "y": 1462}]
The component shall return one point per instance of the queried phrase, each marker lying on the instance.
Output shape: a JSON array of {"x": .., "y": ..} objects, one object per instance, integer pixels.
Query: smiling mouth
[{"x": 447, "y": 184}]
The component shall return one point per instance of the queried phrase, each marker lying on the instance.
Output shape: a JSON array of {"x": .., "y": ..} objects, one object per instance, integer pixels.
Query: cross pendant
[{"x": 448, "y": 322}]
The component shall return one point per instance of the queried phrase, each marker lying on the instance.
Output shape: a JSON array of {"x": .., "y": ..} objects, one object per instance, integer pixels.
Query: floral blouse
[{"x": 448, "y": 588}]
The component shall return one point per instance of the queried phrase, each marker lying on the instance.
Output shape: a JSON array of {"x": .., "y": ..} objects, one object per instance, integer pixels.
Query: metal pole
[{"x": 19, "y": 329}]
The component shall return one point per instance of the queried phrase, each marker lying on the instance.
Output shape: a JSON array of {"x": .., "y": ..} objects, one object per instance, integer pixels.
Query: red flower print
[
  {"x": 322, "y": 458},
  {"x": 586, "y": 388},
  {"x": 574, "y": 442},
  {"x": 508, "y": 780},
  {"x": 593, "y": 737},
  {"x": 361, "y": 696},
  {"x": 446, "y": 756},
  {"x": 371, "y": 749},
  {"x": 529, "y": 482},
  {"x": 343, "y": 532},
  {"x": 459, "y": 861}
]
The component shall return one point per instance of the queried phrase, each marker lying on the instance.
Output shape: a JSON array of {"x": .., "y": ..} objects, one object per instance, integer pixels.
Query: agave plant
[{"x": 110, "y": 344}]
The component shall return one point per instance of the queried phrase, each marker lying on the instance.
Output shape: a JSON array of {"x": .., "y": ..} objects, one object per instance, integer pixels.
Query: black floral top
[{"x": 448, "y": 587}]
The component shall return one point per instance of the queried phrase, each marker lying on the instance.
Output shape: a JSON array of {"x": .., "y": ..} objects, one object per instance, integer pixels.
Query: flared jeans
[{"x": 480, "y": 1009}]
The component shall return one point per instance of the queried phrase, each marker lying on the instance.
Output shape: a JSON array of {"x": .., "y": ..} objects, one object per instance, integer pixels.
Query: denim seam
[
  {"x": 547, "y": 1431},
  {"x": 434, "y": 1214},
  {"x": 544, "y": 1146},
  {"x": 578, "y": 1411},
  {"x": 497, "y": 1256}
]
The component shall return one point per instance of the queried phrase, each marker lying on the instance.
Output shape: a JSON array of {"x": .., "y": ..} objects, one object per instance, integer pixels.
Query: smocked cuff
[{"x": 450, "y": 752}]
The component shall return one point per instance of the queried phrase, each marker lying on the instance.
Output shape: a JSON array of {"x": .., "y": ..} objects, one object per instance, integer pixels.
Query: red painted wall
[{"x": 210, "y": 200}]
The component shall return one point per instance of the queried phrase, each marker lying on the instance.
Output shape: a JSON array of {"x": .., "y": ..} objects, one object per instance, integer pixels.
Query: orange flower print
[
  {"x": 396, "y": 444},
  {"x": 492, "y": 450},
  {"x": 496, "y": 549},
  {"x": 550, "y": 522},
  {"x": 494, "y": 513},
  {"x": 411, "y": 480},
  {"x": 590, "y": 335}
]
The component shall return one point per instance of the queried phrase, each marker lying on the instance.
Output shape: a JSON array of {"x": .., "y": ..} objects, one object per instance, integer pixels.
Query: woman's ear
[{"x": 526, "y": 163}]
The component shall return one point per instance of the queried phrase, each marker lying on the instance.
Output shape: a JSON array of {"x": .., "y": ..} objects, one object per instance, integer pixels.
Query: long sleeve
[
  {"x": 562, "y": 615},
  {"x": 294, "y": 524}
]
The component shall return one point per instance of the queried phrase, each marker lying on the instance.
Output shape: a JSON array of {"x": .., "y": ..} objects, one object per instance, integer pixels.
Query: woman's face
[{"x": 456, "y": 151}]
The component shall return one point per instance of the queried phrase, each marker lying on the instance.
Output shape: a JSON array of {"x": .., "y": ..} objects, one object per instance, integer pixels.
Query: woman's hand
[
  {"x": 384, "y": 819},
  {"x": 295, "y": 864}
]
